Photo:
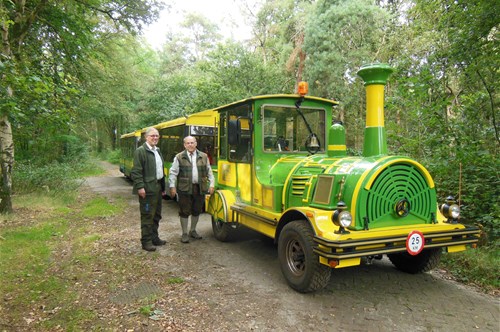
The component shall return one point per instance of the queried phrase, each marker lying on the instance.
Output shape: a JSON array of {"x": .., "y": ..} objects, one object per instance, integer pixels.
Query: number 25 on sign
[{"x": 415, "y": 243}]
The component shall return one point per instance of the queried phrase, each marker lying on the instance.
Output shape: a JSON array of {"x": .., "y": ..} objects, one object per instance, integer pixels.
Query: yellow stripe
[
  {"x": 287, "y": 180},
  {"x": 427, "y": 176},
  {"x": 375, "y": 105},
  {"x": 335, "y": 147}
]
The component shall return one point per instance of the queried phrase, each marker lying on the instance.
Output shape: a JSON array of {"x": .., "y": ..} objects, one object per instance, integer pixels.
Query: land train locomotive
[{"x": 283, "y": 170}]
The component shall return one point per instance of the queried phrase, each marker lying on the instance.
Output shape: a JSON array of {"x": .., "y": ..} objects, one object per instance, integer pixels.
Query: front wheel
[
  {"x": 425, "y": 261},
  {"x": 299, "y": 264}
]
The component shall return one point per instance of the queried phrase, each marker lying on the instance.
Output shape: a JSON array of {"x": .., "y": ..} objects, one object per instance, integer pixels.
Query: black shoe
[
  {"x": 195, "y": 235},
  {"x": 159, "y": 242},
  {"x": 148, "y": 247}
]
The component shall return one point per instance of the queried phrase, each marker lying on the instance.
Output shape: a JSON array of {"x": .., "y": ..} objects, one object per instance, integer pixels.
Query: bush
[
  {"x": 114, "y": 156},
  {"x": 480, "y": 187},
  {"x": 475, "y": 266},
  {"x": 30, "y": 178}
]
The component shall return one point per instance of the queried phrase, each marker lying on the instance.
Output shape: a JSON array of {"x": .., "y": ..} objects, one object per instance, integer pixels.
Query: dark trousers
[
  {"x": 150, "y": 208},
  {"x": 191, "y": 204}
]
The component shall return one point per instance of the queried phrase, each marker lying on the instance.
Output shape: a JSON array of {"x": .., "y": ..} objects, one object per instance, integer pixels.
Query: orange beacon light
[{"x": 303, "y": 88}]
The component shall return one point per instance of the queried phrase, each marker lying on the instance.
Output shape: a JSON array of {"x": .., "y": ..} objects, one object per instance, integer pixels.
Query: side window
[
  {"x": 171, "y": 142},
  {"x": 239, "y": 134},
  {"x": 206, "y": 144},
  {"x": 223, "y": 135},
  {"x": 278, "y": 130}
]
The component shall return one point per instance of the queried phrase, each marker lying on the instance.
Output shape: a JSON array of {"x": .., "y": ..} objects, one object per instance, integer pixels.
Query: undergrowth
[{"x": 480, "y": 267}]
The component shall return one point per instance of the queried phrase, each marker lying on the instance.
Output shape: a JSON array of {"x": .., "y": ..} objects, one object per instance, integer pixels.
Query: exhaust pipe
[{"x": 375, "y": 77}]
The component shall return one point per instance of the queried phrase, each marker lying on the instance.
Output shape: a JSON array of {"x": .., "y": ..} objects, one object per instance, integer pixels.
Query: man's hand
[
  {"x": 173, "y": 191},
  {"x": 142, "y": 193},
  {"x": 211, "y": 190}
]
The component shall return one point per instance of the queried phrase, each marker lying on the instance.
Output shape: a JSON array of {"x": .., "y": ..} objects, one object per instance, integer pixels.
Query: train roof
[
  {"x": 132, "y": 134},
  {"x": 203, "y": 118},
  {"x": 290, "y": 96}
]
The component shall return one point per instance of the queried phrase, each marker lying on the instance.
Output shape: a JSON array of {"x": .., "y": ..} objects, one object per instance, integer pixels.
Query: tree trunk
[
  {"x": 6, "y": 139},
  {"x": 6, "y": 163}
]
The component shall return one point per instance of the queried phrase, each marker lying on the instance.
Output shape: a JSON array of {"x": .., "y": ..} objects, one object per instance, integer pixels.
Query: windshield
[{"x": 284, "y": 129}]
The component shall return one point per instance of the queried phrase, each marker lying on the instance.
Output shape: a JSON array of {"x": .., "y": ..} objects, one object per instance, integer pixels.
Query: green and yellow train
[{"x": 283, "y": 171}]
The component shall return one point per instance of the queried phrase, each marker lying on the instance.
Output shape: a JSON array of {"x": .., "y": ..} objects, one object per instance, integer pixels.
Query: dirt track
[{"x": 240, "y": 287}]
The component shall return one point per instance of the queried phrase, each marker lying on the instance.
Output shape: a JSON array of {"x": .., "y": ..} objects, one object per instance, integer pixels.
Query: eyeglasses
[{"x": 154, "y": 135}]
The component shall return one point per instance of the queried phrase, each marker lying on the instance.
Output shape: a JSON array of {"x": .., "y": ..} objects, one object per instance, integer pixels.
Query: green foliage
[
  {"x": 49, "y": 146},
  {"x": 476, "y": 175},
  {"x": 146, "y": 310},
  {"x": 442, "y": 102},
  {"x": 45, "y": 47},
  {"x": 228, "y": 73},
  {"x": 55, "y": 178},
  {"x": 340, "y": 36},
  {"x": 114, "y": 156},
  {"x": 89, "y": 167},
  {"x": 480, "y": 267}
]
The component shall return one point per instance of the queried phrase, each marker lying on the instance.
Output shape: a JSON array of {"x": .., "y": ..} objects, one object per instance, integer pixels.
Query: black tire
[
  {"x": 299, "y": 264},
  {"x": 222, "y": 230},
  {"x": 425, "y": 261},
  {"x": 217, "y": 208}
]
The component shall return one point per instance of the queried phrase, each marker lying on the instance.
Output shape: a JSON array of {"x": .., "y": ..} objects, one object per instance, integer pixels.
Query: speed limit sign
[{"x": 415, "y": 243}]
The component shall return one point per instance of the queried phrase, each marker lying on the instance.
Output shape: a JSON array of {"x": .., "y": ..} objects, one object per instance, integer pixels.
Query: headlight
[
  {"x": 450, "y": 210},
  {"x": 345, "y": 219},
  {"x": 454, "y": 211},
  {"x": 341, "y": 218}
]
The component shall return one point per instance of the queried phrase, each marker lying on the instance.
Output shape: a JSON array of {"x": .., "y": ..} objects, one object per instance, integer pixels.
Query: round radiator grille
[{"x": 400, "y": 195}]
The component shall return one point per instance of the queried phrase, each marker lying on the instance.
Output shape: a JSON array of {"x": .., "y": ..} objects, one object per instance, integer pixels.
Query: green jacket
[{"x": 144, "y": 171}]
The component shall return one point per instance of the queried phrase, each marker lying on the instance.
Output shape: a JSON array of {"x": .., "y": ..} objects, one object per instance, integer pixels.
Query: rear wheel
[
  {"x": 299, "y": 264},
  {"x": 425, "y": 261}
]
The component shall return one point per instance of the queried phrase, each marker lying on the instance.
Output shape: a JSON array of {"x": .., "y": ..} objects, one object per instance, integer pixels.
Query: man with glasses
[
  {"x": 149, "y": 184},
  {"x": 190, "y": 178}
]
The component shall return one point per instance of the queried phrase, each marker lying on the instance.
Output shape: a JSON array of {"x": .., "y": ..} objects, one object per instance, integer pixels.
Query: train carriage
[
  {"x": 128, "y": 143},
  {"x": 202, "y": 125}
]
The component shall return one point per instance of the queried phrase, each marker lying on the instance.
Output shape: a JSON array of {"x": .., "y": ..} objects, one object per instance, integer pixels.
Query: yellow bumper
[{"x": 377, "y": 242}]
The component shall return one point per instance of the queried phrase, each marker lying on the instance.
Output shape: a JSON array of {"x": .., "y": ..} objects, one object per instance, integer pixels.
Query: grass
[
  {"x": 42, "y": 202},
  {"x": 175, "y": 280},
  {"x": 479, "y": 266},
  {"x": 101, "y": 207},
  {"x": 43, "y": 252},
  {"x": 28, "y": 249}
]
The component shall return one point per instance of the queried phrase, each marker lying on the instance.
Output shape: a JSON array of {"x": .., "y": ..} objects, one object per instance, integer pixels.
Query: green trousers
[{"x": 150, "y": 208}]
